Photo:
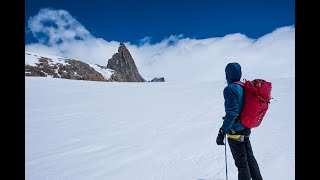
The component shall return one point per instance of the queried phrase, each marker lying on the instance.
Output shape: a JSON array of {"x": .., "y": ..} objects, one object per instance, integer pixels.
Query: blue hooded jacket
[{"x": 233, "y": 98}]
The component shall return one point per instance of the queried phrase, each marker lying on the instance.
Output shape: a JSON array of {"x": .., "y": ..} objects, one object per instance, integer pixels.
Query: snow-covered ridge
[
  {"x": 32, "y": 59},
  {"x": 62, "y": 67}
]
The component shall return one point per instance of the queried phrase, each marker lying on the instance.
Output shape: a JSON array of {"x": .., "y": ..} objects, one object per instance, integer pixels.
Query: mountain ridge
[{"x": 120, "y": 67}]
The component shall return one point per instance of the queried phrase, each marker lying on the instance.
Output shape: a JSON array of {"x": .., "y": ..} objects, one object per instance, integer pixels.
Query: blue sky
[{"x": 133, "y": 20}]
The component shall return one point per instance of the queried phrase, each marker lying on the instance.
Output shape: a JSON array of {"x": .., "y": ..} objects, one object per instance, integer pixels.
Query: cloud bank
[{"x": 177, "y": 58}]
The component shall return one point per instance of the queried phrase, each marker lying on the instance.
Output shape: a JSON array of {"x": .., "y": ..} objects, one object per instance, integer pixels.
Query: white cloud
[
  {"x": 56, "y": 26},
  {"x": 176, "y": 58},
  {"x": 145, "y": 40}
]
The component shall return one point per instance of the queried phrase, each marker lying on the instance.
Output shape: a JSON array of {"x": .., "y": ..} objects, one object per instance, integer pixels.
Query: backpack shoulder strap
[{"x": 240, "y": 83}]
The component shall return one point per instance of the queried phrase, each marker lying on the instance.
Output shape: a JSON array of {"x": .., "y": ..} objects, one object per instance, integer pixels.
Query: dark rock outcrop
[
  {"x": 71, "y": 69},
  {"x": 125, "y": 70},
  {"x": 158, "y": 79}
]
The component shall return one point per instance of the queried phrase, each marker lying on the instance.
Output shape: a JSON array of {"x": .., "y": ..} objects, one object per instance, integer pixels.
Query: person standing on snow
[{"x": 238, "y": 134}]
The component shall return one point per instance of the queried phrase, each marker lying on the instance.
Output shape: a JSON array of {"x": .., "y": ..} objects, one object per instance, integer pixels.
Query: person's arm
[{"x": 231, "y": 108}]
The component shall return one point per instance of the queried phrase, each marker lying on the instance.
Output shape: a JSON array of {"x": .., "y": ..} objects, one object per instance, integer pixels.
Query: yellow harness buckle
[{"x": 234, "y": 136}]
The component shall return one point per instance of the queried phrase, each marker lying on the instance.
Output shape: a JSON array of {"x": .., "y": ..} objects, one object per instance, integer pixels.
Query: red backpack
[{"x": 256, "y": 101}]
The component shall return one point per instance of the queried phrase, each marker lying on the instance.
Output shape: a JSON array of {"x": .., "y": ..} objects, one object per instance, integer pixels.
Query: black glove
[{"x": 220, "y": 137}]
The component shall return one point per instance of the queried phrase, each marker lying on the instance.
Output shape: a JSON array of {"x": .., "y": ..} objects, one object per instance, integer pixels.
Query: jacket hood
[{"x": 233, "y": 72}]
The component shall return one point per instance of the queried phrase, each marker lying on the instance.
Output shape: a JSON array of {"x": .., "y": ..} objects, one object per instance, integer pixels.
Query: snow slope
[{"x": 146, "y": 131}]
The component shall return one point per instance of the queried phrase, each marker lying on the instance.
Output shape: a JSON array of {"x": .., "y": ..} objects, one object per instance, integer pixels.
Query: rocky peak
[
  {"x": 122, "y": 48},
  {"x": 125, "y": 70}
]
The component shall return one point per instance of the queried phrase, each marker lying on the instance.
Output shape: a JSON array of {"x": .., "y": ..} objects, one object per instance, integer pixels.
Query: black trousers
[{"x": 244, "y": 159}]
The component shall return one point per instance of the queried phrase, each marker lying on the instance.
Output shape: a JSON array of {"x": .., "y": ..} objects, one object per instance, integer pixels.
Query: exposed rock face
[
  {"x": 158, "y": 79},
  {"x": 124, "y": 67},
  {"x": 67, "y": 69},
  {"x": 120, "y": 67}
]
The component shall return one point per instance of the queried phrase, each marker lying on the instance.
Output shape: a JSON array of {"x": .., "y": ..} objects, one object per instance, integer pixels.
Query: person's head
[{"x": 233, "y": 72}]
